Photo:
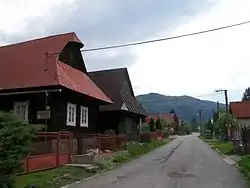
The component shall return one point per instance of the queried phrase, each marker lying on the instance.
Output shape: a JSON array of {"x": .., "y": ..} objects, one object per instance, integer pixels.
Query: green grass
[
  {"x": 244, "y": 168},
  {"x": 133, "y": 150},
  {"x": 224, "y": 147},
  {"x": 52, "y": 178}
]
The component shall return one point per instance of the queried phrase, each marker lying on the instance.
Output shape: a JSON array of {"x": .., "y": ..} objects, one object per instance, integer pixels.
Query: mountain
[{"x": 185, "y": 106}]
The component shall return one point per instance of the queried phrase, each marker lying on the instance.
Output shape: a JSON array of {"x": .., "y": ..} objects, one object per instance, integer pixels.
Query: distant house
[
  {"x": 169, "y": 119},
  {"x": 126, "y": 113},
  {"x": 44, "y": 81},
  {"x": 241, "y": 111}
]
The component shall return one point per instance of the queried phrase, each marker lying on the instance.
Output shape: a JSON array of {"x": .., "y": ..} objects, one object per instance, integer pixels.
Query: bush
[
  {"x": 15, "y": 139},
  {"x": 152, "y": 125},
  {"x": 121, "y": 157},
  {"x": 184, "y": 130},
  {"x": 165, "y": 132},
  {"x": 158, "y": 124}
]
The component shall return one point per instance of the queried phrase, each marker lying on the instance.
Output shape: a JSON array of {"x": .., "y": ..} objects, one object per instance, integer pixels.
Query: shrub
[
  {"x": 165, "y": 132},
  {"x": 135, "y": 149},
  {"x": 121, "y": 157},
  {"x": 104, "y": 162},
  {"x": 152, "y": 125},
  {"x": 158, "y": 124},
  {"x": 15, "y": 139}
]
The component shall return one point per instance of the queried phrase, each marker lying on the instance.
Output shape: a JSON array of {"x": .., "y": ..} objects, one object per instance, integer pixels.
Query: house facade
[
  {"x": 44, "y": 81},
  {"x": 241, "y": 111},
  {"x": 125, "y": 115}
]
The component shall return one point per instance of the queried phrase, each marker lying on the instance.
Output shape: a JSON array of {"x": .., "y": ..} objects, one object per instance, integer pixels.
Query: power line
[
  {"x": 163, "y": 39},
  {"x": 155, "y": 40}
]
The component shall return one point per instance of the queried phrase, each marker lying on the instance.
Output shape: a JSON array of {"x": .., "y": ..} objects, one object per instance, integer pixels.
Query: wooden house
[
  {"x": 126, "y": 113},
  {"x": 44, "y": 81}
]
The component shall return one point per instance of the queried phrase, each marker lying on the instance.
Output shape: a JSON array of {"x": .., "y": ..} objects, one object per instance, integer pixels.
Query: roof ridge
[{"x": 37, "y": 39}]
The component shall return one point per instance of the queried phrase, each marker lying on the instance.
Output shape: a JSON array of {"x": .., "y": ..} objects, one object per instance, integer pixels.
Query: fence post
[{"x": 58, "y": 149}]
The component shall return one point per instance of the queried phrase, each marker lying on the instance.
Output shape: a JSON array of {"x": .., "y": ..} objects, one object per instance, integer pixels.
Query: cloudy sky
[{"x": 193, "y": 66}]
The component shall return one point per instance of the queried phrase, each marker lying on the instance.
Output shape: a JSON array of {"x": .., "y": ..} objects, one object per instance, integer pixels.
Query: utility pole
[
  {"x": 226, "y": 98},
  {"x": 226, "y": 101}
]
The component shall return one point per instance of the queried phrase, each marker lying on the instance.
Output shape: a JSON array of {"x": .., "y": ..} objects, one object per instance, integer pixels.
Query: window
[
  {"x": 21, "y": 110},
  {"x": 71, "y": 114},
  {"x": 84, "y": 116}
]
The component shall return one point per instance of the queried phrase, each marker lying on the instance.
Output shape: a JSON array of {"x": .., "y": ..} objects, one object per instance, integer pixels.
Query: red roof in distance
[
  {"x": 155, "y": 117},
  {"x": 240, "y": 109},
  {"x": 25, "y": 65}
]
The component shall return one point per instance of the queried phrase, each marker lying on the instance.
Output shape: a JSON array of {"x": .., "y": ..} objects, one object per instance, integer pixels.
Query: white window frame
[
  {"x": 17, "y": 105},
  {"x": 71, "y": 114},
  {"x": 84, "y": 116}
]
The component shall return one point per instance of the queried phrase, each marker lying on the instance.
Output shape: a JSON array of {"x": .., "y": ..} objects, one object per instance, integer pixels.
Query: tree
[
  {"x": 194, "y": 124},
  {"x": 221, "y": 124},
  {"x": 176, "y": 121},
  {"x": 152, "y": 124},
  {"x": 15, "y": 139},
  {"x": 158, "y": 124},
  {"x": 246, "y": 95},
  {"x": 172, "y": 111},
  {"x": 209, "y": 125}
]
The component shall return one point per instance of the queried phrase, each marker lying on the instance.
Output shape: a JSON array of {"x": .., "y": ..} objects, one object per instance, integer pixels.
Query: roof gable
[
  {"x": 116, "y": 84},
  {"x": 33, "y": 64}
]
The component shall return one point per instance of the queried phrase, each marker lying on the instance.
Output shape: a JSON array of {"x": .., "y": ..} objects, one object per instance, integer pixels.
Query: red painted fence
[
  {"x": 49, "y": 150},
  {"x": 52, "y": 149}
]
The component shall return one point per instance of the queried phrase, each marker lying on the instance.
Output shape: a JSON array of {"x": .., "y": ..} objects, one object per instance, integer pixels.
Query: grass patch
[
  {"x": 224, "y": 147},
  {"x": 52, "y": 178},
  {"x": 244, "y": 168},
  {"x": 133, "y": 150}
]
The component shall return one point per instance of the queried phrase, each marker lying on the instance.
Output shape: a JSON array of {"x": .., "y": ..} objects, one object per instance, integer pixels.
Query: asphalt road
[{"x": 186, "y": 162}]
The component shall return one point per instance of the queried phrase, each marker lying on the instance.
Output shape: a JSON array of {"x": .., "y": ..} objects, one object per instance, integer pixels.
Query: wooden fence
[{"x": 53, "y": 149}]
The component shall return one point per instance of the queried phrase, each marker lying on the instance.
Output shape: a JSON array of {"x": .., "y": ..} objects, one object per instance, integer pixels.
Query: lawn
[
  {"x": 52, "y": 178},
  {"x": 224, "y": 147}
]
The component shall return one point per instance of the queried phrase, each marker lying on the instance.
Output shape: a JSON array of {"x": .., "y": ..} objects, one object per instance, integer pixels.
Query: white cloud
[
  {"x": 16, "y": 15},
  {"x": 198, "y": 64}
]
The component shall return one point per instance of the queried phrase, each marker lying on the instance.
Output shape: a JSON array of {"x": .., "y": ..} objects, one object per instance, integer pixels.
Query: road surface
[{"x": 186, "y": 162}]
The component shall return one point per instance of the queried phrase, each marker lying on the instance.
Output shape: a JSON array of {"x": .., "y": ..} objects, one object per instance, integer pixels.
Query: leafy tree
[
  {"x": 209, "y": 125},
  {"x": 222, "y": 122},
  {"x": 172, "y": 111},
  {"x": 194, "y": 124},
  {"x": 176, "y": 121},
  {"x": 152, "y": 124},
  {"x": 158, "y": 124},
  {"x": 246, "y": 95},
  {"x": 15, "y": 139}
]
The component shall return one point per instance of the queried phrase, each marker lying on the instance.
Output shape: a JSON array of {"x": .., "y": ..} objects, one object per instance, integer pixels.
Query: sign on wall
[{"x": 43, "y": 114}]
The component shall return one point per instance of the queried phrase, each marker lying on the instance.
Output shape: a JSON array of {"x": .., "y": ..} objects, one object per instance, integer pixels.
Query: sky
[{"x": 195, "y": 66}]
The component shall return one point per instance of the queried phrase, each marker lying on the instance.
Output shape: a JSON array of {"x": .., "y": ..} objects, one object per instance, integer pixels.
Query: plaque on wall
[{"x": 43, "y": 114}]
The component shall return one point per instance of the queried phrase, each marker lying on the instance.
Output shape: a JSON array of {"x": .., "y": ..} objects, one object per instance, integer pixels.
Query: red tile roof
[
  {"x": 24, "y": 65},
  {"x": 169, "y": 116},
  {"x": 240, "y": 109}
]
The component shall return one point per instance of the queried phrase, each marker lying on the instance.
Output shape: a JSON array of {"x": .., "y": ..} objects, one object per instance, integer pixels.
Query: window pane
[
  {"x": 73, "y": 114},
  {"x": 69, "y": 114}
]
